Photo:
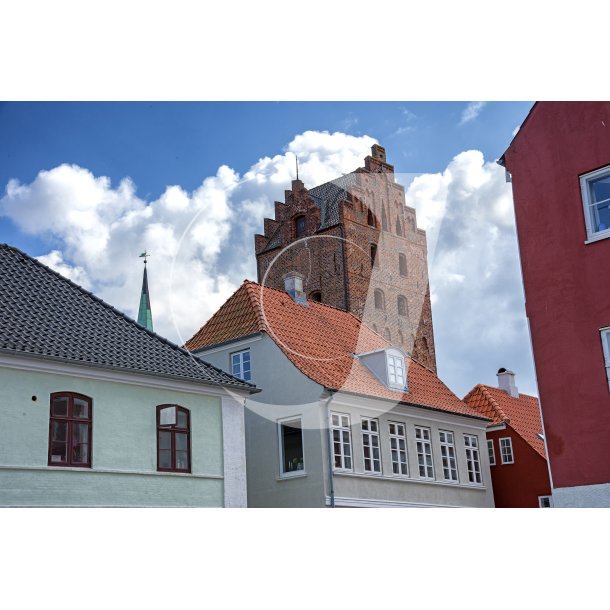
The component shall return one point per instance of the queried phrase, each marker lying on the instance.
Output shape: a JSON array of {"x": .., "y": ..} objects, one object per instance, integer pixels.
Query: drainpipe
[{"x": 330, "y": 450}]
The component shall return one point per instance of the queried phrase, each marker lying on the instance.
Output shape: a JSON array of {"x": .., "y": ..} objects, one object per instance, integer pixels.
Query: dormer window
[
  {"x": 396, "y": 370},
  {"x": 388, "y": 365}
]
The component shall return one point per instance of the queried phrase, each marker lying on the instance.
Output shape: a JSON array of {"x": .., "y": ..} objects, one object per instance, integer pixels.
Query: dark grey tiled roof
[
  {"x": 45, "y": 315},
  {"x": 328, "y": 197}
]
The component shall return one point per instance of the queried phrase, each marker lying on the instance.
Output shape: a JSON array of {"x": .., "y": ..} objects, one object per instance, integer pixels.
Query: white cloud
[
  {"x": 477, "y": 294},
  {"x": 471, "y": 112},
  {"x": 201, "y": 242}
]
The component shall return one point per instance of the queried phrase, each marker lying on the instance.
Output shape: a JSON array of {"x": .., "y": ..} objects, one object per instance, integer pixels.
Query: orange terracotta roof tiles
[
  {"x": 321, "y": 341},
  {"x": 522, "y": 414}
]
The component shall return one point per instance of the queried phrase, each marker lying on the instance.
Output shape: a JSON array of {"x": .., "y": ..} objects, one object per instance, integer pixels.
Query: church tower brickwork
[{"x": 359, "y": 248}]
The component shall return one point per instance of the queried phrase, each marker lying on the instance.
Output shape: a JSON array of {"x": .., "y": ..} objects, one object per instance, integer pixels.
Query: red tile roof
[
  {"x": 321, "y": 341},
  {"x": 522, "y": 414}
]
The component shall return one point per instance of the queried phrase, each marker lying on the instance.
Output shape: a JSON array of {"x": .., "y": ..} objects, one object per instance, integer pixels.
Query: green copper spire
[{"x": 145, "y": 313}]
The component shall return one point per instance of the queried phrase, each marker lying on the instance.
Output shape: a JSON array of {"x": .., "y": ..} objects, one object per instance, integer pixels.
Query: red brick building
[
  {"x": 560, "y": 167},
  {"x": 519, "y": 468},
  {"x": 359, "y": 249}
]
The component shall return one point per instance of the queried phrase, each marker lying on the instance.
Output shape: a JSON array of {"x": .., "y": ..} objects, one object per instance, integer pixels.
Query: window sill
[
  {"x": 102, "y": 471},
  {"x": 406, "y": 479},
  {"x": 597, "y": 237},
  {"x": 287, "y": 477}
]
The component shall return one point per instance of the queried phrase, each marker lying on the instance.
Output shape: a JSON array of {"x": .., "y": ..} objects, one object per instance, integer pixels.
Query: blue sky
[
  {"x": 228, "y": 162},
  {"x": 158, "y": 144}
]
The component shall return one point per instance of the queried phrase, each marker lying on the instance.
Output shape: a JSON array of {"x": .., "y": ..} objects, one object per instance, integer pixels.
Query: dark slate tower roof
[
  {"x": 45, "y": 315},
  {"x": 145, "y": 312}
]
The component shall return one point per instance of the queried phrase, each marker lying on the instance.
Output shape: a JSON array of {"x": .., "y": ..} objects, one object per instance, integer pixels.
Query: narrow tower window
[
  {"x": 402, "y": 264},
  {"x": 300, "y": 226}
]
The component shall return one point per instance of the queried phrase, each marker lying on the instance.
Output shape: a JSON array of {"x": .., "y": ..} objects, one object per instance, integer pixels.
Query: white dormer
[{"x": 389, "y": 365}]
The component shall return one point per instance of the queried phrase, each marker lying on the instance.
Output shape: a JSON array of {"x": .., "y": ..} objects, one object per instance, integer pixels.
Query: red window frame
[
  {"x": 173, "y": 429},
  {"x": 70, "y": 420}
]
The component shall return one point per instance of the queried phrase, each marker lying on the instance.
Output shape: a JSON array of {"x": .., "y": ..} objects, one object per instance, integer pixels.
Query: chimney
[
  {"x": 506, "y": 382},
  {"x": 293, "y": 285}
]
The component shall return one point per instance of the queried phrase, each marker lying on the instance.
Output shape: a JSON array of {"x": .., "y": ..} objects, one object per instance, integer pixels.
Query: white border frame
[
  {"x": 604, "y": 334},
  {"x": 294, "y": 473},
  {"x": 490, "y": 443},
  {"x": 364, "y": 432},
  {"x": 586, "y": 202},
  {"x": 332, "y": 428},
  {"x": 399, "y": 475},
  {"x": 429, "y": 441},
  {"x": 447, "y": 444},
  {"x": 512, "y": 451}
]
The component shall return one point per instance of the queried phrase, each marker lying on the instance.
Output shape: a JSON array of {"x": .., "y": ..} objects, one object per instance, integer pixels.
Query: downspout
[{"x": 330, "y": 451}]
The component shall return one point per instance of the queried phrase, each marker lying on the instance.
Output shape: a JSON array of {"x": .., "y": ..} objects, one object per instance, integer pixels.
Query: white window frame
[
  {"x": 370, "y": 436},
  {"x": 473, "y": 459},
  {"x": 605, "y": 337},
  {"x": 447, "y": 442},
  {"x": 240, "y": 372},
  {"x": 510, "y": 446},
  {"x": 395, "y": 450},
  {"x": 592, "y": 234},
  {"x": 492, "y": 452},
  {"x": 340, "y": 422},
  {"x": 423, "y": 440},
  {"x": 280, "y": 422},
  {"x": 397, "y": 374},
  {"x": 541, "y": 498}
]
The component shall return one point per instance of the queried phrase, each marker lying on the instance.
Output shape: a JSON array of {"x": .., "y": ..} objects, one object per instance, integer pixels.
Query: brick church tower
[{"x": 359, "y": 249}]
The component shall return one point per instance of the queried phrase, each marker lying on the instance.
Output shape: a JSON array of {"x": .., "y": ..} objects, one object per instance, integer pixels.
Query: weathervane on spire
[{"x": 144, "y": 312}]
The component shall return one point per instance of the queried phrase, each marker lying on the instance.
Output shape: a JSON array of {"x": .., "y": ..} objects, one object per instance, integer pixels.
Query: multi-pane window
[
  {"x": 492, "y": 452},
  {"x": 70, "y": 430},
  {"x": 398, "y": 445},
  {"x": 396, "y": 370},
  {"x": 448, "y": 454},
  {"x": 472, "y": 458},
  {"x": 595, "y": 187},
  {"x": 291, "y": 447},
  {"x": 506, "y": 450},
  {"x": 173, "y": 439},
  {"x": 342, "y": 441},
  {"x": 423, "y": 445},
  {"x": 605, "y": 334},
  {"x": 370, "y": 445},
  {"x": 240, "y": 365}
]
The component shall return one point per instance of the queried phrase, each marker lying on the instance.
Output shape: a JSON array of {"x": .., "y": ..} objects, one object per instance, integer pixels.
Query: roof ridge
[
  {"x": 494, "y": 403},
  {"x": 216, "y": 313},
  {"x": 112, "y": 309}
]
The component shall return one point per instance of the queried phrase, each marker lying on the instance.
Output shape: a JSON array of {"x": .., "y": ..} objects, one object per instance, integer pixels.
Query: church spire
[{"x": 145, "y": 313}]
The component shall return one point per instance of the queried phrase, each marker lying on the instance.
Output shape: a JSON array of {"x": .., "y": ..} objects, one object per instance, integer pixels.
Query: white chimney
[
  {"x": 293, "y": 285},
  {"x": 506, "y": 382}
]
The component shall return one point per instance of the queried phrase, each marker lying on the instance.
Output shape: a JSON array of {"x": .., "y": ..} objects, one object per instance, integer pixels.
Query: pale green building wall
[{"x": 124, "y": 458}]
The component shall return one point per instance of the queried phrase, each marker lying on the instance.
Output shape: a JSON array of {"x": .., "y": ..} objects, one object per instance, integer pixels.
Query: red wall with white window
[
  {"x": 518, "y": 485},
  {"x": 567, "y": 282}
]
